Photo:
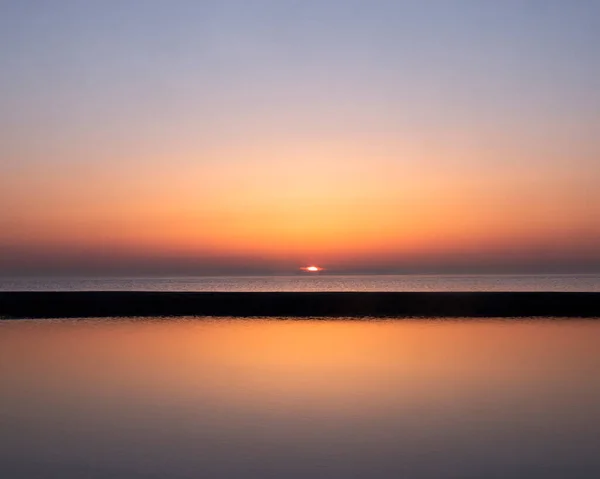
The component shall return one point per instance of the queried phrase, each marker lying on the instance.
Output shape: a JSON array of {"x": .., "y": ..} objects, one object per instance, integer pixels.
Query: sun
[{"x": 312, "y": 269}]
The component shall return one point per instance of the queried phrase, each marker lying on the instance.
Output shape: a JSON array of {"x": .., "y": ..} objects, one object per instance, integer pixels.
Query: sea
[
  {"x": 275, "y": 398},
  {"x": 313, "y": 282}
]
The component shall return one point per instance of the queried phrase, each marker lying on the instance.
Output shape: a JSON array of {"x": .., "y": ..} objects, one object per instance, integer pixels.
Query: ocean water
[
  {"x": 336, "y": 399},
  {"x": 308, "y": 282}
]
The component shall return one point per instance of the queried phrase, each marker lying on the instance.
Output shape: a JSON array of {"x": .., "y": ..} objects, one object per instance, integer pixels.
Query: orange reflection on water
[
  {"x": 286, "y": 398},
  {"x": 293, "y": 364}
]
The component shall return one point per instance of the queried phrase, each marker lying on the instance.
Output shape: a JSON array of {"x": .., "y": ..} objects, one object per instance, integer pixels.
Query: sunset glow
[
  {"x": 240, "y": 141},
  {"x": 299, "y": 239}
]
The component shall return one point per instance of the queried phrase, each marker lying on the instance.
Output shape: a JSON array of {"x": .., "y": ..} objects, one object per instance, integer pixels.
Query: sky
[{"x": 260, "y": 136}]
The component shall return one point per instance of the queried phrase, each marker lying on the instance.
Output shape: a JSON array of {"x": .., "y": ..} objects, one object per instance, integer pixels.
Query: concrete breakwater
[{"x": 297, "y": 304}]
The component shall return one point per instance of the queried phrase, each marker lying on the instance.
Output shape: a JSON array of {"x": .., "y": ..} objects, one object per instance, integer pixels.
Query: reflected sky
[{"x": 310, "y": 398}]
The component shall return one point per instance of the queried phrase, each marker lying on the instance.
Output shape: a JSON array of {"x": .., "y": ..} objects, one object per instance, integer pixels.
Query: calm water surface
[
  {"x": 309, "y": 282},
  {"x": 199, "y": 398}
]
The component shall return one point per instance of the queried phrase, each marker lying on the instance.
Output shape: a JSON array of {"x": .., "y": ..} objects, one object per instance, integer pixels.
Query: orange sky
[
  {"x": 334, "y": 207},
  {"x": 257, "y": 148}
]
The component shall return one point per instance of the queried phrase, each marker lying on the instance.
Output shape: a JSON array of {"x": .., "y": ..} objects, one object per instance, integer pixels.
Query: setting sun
[{"x": 312, "y": 269}]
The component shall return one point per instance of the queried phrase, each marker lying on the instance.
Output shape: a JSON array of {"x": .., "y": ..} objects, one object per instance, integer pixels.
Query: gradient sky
[{"x": 253, "y": 136}]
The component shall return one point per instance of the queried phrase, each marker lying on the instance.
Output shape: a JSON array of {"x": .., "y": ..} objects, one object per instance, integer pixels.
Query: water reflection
[{"x": 294, "y": 399}]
